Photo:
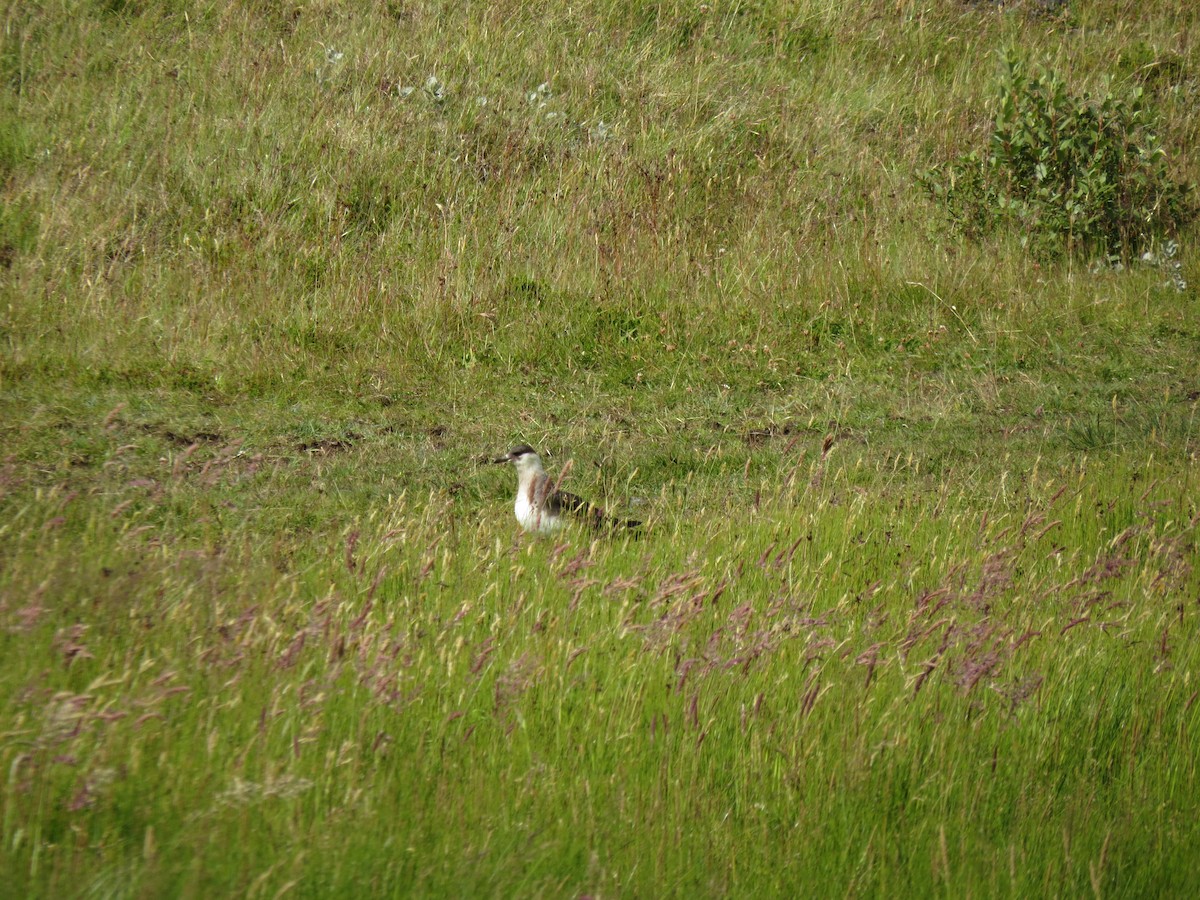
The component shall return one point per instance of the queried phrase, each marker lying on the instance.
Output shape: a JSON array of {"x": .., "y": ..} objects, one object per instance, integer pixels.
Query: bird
[{"x": 541, "y": 507}]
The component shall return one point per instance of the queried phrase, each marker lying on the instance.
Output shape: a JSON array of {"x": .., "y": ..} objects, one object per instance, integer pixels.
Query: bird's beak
[{"x": 501, "y": 459}]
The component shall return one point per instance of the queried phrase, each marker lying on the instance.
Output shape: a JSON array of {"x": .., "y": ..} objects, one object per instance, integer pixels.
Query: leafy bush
[{"x": 1078, "y": 174}]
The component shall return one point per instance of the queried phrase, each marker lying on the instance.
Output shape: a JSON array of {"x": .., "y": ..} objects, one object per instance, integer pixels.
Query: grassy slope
[{"x": 265, "y": 624}]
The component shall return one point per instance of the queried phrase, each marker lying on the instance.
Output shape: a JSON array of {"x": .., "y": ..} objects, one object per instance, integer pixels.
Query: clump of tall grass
[{"x": 1074, "y": 174}]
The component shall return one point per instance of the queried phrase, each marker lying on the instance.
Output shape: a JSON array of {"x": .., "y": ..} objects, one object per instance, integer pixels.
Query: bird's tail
[{"x": 602, "y": 521}]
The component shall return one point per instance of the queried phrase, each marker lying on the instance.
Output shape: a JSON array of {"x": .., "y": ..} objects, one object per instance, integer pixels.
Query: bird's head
[{"x": 522, "y": 456}]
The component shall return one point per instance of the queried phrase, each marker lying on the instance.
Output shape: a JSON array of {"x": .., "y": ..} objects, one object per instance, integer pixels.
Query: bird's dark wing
[
  {"x": 561, "y": 501},
  {"x": 595, "y": 516},
  {"x": 556, "y": 503}
]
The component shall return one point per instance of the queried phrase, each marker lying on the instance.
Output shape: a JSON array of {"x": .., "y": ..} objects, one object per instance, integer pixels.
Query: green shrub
[{"x": 1077, "y": 174}]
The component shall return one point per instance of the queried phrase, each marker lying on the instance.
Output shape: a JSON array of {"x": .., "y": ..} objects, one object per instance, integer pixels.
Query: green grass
[{"x": 267, "y": 625}]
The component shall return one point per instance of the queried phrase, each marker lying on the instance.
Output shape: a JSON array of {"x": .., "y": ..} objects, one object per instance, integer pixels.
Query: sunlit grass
[
  {"x": 843, "y": 661},
  {"x": 914, "y": 609}
]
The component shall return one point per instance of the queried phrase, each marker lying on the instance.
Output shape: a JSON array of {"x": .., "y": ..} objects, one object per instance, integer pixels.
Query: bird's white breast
[{"x": 532, "y": 518}]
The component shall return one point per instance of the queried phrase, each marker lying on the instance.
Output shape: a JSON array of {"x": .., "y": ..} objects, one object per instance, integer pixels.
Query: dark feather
[{"x": 560, "y": 502}]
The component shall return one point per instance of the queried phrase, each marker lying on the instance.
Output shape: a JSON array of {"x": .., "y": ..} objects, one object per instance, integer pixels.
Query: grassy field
[{"x": 915, "y": 612}]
